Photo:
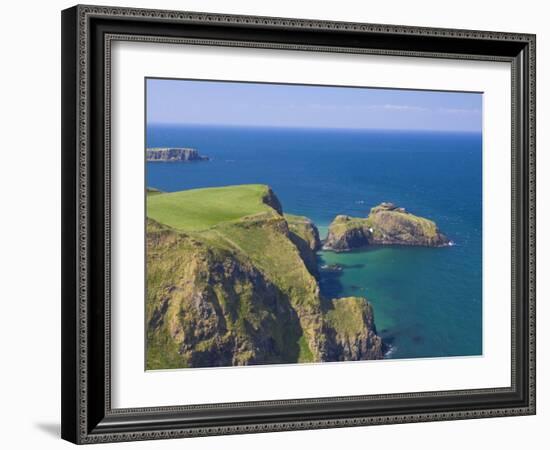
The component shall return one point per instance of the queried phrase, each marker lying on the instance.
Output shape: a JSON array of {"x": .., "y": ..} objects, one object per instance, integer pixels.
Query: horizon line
[{"x": 306, "y": 127}]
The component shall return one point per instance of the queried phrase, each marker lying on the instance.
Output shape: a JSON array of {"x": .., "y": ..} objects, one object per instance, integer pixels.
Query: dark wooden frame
[{"x": 87, "y": 32}]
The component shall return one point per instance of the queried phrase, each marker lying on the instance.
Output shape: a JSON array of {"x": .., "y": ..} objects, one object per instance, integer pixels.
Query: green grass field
[{"x": 200, "y": 209}]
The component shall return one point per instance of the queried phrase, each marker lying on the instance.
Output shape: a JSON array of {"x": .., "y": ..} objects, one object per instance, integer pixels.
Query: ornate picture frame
[{"x": 88, "y": 33}]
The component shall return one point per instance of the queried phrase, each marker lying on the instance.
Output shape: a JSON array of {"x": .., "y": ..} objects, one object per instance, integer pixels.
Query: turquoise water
[{"x": 427, "y": 301}]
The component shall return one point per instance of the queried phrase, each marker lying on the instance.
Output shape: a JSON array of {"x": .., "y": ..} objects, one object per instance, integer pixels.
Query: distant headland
[{"x": 171, "y": 154}]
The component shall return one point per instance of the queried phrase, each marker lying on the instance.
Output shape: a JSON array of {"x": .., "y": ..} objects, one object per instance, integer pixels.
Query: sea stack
[
  {"x": 387, "y": 224},
  {"x": 170, "y": 154}
]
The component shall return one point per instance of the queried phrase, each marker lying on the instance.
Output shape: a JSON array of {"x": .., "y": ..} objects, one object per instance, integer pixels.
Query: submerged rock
[{"x": 387, "y": 224}]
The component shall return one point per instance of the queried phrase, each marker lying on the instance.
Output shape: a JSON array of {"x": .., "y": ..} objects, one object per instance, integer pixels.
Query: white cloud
[
  {"x": 385, "y": 107},
  {"x": 392, "y": 107}
]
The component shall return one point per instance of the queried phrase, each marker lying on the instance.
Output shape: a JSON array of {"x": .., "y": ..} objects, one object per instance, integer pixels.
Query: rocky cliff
[
  {"x": 244, "y": 292},
  {"x": 351, "y": 333},
  {"x": 210, "y": 306},
  {"x": 305, "y": 236},
  {"x": 174, "y": 155},
  {"x": 386, "y": 224}
]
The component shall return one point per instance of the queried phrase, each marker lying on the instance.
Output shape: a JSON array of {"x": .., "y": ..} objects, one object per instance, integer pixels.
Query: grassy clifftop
[
  {"x": 200, "y": 209},
  {"x": 231, "y": 281}
]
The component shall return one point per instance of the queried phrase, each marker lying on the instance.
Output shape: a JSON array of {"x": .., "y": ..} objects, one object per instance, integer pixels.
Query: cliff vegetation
[{"x": 231, "y": 280}]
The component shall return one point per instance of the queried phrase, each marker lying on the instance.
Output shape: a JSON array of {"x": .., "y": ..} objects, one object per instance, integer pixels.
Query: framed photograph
[{"x": 278, "y": 224}]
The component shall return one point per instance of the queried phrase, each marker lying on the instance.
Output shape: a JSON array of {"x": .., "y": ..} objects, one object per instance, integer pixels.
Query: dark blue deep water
[{"x": 427, "y": 301}]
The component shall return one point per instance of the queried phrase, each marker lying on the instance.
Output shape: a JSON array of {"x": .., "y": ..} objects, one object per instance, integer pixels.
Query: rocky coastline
[
  {"x": 246, "y": 292},
  {"x": 173, "y": 154}
]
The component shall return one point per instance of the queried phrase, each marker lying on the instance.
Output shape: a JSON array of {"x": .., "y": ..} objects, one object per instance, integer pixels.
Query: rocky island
[
  {"x": 166, "y": 154},
  {"x": 387, "y": 224},
  {"x": 231, "y": 280}
]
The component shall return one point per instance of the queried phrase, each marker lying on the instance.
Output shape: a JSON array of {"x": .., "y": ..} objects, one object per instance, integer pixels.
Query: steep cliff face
[
  {"x": 346, "y": 233},
  {"x": 174, "y": 155},
  {"x": 386, "y": 224},
  {"x": 238, "y": 294},
  {"x": 305, "y": 229},
  {"x": 351, "y": 333},
  {"x": 305, "y": 236},
  {"x": 270, "y": 199},
  {"x": 241, "y": 292},
  {"x": 207, "y": 306}
]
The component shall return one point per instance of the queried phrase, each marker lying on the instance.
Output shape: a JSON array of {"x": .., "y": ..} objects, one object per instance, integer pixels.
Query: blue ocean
[{"x": 427, "y": 301}]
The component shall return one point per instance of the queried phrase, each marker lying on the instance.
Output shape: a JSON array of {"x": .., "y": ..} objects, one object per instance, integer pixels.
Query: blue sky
[{"x": 256, "y": 104}]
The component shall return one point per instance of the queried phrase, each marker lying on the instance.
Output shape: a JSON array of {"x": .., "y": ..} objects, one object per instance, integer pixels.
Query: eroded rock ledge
[{"x": 387, "y": 224}]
